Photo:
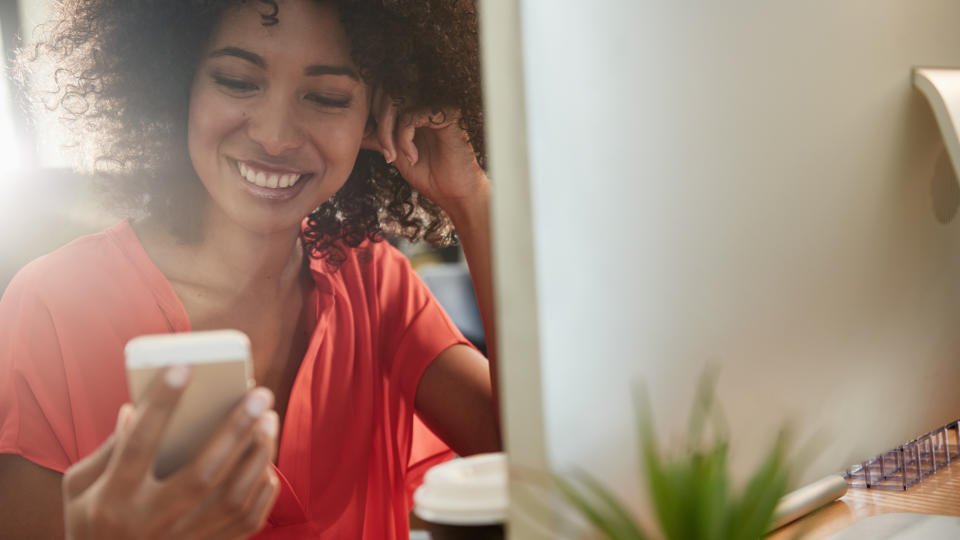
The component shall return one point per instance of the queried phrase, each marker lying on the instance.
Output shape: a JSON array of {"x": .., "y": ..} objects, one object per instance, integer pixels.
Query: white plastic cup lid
[{"x": 467, "y": 491}]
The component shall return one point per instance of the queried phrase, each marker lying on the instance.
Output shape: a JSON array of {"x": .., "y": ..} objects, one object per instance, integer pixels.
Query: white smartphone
[{"x": 220, "y": 375}]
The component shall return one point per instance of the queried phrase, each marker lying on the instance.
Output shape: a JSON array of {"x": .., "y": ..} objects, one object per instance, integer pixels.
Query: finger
[
  {"x": 83, "y": 473},
  {"x": 411, "y": 121},
  {"x": 264, "y": 504},
  {"x": 198, "y": 506},
  {"x": 269, "y": 429},
  {"x": 225, "y": 448},
  {"x": 136, "y": 450},
  {"x": 386, "y": 120},
  {"x": 406, "y": 130},
  {"x": 443, "y": 117},
  {"x": 219, "y": 514},
  {"x": 371, "y": 137},
  {"x": 255, "y": 466},
  {"x": 256, "y": 515}
]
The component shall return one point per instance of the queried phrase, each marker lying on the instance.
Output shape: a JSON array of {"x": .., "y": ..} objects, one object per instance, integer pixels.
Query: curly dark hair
[{"x": 122, "y": 78}]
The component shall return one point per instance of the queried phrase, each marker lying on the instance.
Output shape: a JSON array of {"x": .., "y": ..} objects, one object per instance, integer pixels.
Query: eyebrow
[
  {"x": 310, "y": 71},
  {"x": 253, "y": 58},
  {"x": 317, "y": 70}
]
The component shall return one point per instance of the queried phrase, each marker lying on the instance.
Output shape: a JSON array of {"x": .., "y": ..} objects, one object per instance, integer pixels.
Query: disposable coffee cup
[{"x": 464, "y": 499}]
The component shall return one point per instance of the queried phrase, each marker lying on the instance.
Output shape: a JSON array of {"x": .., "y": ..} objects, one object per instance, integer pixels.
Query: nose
[{"x": 274, "y": 126}]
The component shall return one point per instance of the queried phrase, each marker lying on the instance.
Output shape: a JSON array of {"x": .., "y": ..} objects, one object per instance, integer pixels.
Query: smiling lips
[{"x": 268, "y": 179}]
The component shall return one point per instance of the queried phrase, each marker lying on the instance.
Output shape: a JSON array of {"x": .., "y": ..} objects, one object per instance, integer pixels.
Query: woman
[{"x": 229, "y": 123}]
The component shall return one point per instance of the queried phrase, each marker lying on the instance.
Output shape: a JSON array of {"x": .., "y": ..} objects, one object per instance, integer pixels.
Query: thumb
[{"x": 85, "y": 472}]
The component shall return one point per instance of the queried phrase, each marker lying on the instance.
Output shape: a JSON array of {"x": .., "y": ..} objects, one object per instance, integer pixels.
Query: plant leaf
[
  {"x": 661, "y": 482},
  {"x": 754, "y": 510},
  {"x": 691, "y": 494},
  {"x": 616, "y": 510},
  {"x": 712, "y": 506},
  {"x": 611, "y": 527},
  {"x": 702, "y": 405}
]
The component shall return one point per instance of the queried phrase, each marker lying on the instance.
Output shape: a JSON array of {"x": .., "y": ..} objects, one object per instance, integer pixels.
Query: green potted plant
[{"x": 691, "y": 493}]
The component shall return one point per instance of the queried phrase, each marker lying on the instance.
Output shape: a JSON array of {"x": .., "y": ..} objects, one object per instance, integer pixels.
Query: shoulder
[
  {"x": 63, "y": 321},
  {"x": 370, "y": 262},
  {"x": 84, "y": 267},
  {"x": 375, "y": 274},
  {"x": 46, "y": 293},
  {"x": 81, "y": 252}
]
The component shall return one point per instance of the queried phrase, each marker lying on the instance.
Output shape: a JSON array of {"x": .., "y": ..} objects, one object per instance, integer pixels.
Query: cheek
[
  {"x": 340, "y": 140},
  {"x": 209, "y": 121}
]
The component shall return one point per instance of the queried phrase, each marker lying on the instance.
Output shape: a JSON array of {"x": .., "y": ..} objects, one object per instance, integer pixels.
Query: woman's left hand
[{"x": 431, "y": 150}]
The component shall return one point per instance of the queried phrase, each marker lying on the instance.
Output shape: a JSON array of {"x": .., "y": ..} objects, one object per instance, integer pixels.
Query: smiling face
[{"x": 277, "y": 114}]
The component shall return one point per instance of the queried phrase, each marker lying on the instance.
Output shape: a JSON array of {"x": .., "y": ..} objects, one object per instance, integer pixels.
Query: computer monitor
[{"x": 752, "y": 185}]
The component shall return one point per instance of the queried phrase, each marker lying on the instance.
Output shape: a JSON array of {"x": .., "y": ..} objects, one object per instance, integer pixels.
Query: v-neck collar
[
  {"x": 169, "y": 303},
  {"x": 289, "y": 508}
]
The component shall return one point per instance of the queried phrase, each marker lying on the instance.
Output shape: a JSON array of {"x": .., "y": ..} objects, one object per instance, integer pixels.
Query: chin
[{"x": 271, "y": 225}]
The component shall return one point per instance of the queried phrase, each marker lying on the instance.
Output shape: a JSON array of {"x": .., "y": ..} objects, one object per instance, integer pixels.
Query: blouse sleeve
[
  {"x": 34, "y": 400},
  {"x": 414, "y": 327},
  {"x": 414, "y": 331}
]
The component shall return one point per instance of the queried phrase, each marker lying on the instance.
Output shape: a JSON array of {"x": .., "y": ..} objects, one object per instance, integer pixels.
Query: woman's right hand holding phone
[{"x": 225, "y": 492}]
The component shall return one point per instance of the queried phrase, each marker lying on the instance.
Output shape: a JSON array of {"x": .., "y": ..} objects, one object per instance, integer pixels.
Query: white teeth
[{"x": 273, "y": 181}]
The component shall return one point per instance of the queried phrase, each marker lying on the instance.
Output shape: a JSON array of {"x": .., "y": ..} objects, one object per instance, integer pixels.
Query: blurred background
[{"x": 43, "y": 203}]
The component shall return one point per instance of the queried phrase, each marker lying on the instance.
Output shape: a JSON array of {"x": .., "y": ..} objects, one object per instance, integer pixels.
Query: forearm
[
  {"x": 31, "y": 506},
  {"x": 472, "y": 222}
]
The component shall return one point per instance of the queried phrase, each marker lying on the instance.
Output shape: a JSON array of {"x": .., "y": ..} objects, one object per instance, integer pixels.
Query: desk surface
[{"x": 937, "y": 494}]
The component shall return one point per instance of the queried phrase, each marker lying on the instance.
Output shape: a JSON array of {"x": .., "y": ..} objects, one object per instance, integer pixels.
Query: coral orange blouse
[{"x": 352, "y": 450}]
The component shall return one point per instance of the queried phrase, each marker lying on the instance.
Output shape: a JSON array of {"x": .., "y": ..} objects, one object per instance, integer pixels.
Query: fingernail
[
  {"x": 123, "y": 416},
  {"x": 176, "y": 376},
  {"x": 269, "y": 424},
  {"x": 257, "y": 402}
]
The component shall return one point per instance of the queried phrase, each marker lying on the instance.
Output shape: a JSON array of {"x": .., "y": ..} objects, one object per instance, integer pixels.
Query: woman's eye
[
  {"x": 237, "y": 85},
  {"x": 339, "y": 103}
]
